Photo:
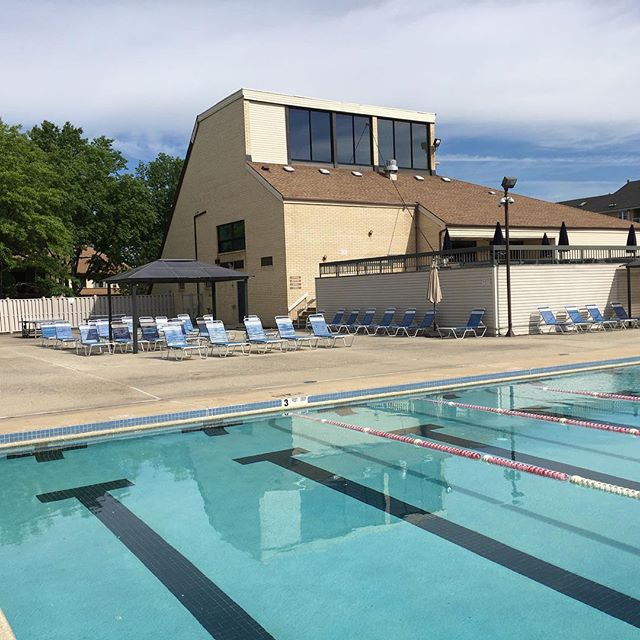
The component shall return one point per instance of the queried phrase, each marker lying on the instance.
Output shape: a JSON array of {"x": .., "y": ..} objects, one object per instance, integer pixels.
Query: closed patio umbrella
[
  {"x": 447, "y": 245},
  {"x": 631, "y": 238},
  {"x": 563, "y": 240},
  {"x": 545, "y": 243},
  {"x": 498, "y": 238},
  {"x": 434, "y": 293}
]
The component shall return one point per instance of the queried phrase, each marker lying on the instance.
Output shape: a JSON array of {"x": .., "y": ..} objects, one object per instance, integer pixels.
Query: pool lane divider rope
[
  {"x": 573, "y": 422},
  {"x": 596, "y": 394},
  {"x": 489, "y": 459}
]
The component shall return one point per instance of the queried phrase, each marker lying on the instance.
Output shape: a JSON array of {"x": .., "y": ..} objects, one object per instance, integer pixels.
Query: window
[
  {"x": 235, "y": 264},
  {"x": 353, "y": 139},
  {"x": 266, "y": 261},
  {"x": 310, "y": 135},
  {"x": 406, "y": 142},
  {"x": 231, "y": 236}
]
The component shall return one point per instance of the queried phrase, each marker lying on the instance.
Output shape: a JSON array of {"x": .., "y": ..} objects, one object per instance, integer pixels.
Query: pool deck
[{"x": 42, "y": 388}]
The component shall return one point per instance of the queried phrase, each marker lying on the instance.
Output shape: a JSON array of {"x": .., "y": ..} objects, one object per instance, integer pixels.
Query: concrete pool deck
[{"x": 42, "y": 388}]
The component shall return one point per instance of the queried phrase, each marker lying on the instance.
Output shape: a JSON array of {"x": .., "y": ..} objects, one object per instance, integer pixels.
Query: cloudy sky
[{"x": 545, "y": 90}]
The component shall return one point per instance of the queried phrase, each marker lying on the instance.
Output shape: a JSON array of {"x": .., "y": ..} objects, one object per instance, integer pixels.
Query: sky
[{"x": 544, "y": 90}]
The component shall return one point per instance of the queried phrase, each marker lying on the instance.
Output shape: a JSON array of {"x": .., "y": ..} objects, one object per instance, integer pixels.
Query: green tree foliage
[{"x": 60, "y": 193}]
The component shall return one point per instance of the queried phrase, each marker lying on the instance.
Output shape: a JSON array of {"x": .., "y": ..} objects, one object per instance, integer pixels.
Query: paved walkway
[{"x": 42, "y": 388}]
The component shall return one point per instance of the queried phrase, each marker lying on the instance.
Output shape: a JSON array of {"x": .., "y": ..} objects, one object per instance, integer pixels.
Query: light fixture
[
  {"x": 436, "y": 143},
  {"x": 370, "y": 232},
  {"x": 420, "y": 178},
  {"x": 508, "y": 182},
  {"x": 324, "y": 172},
  {"x": 288, "y": 168}
]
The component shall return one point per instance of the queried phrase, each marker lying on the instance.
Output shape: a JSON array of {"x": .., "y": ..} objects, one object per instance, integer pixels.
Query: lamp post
[
  {"x": 195, "y": 251},
  {"x": 508, "y": 183}
]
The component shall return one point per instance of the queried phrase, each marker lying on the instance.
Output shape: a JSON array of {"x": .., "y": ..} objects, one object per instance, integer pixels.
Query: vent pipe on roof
[{"x": 391, "y": 169}]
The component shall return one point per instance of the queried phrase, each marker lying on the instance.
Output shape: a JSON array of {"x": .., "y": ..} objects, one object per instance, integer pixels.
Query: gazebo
[{"x": 173, "y": 271}]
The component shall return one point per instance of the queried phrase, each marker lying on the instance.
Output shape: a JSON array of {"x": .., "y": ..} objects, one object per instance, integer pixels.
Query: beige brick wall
[
  {"x": 217, "y": 180},
  {"x": 341, "y": 232}
]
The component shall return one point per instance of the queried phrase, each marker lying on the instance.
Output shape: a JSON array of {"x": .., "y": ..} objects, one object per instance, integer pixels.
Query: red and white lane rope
[
  {"x": 489, "y": 459},
  {"x": 595, "y": 394},
  {"x": 573, "y": 422}
]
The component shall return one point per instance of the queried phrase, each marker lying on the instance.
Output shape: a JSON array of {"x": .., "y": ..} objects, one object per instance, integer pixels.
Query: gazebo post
[
  {"x": 629, "y": 291},
  {"x": 134, "y": 314},
  {"x": 109, "y": 311},
  {"x": 246, "y": 296},
  {"x": 213, "y": 299}
]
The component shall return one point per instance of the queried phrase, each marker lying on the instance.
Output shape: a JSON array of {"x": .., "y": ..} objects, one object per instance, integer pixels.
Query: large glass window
[
  {"x": 231, "y": 236},
  {"x": 310, "y": 135},
  {"x": 404, "y": 141},
  {"x": 344, "y": 139},
  {"x": 353, "y": 139}
]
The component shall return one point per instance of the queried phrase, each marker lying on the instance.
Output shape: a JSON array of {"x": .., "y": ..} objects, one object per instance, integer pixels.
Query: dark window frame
[
  {"x": 354, "y": 142},
  {"x": 266, "y": 261},
  {"x": 236, "y": 241},
  {"x": 411, "y": 124},
  {"x": 331, "y": 136}
]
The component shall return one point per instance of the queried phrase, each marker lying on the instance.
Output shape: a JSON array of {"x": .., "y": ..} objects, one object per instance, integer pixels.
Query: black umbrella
[
  {"x": 545, "y": 243},
  {"x": 631, "y": 238},
  {"x": 447, "y": 245},
  {"x": 563, "y": 240},
  {"x": 498, "y": 238}
]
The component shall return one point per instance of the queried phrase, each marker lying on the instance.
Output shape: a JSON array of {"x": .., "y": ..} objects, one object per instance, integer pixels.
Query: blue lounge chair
[
  {"x": 552, "y": 323},
  {"x": 337, "y": 319},
  {"x": 90, "y": 340},
  {"x": 121, "y": 337},
  {"x": 256, "y": 335},
  {"x": 177, "y": 343},
  {"x": 623, "y": 316},
  {"x": 185, "y": 318},
  {"x": 287, "y": 332},
  {"x": 48, "y": 335},
  {"x": 599, "y": 320},
  {"x": 102, "y": 326},
  {"x": 325, "y": 336},
  {"x": 350, "y": 322},
  {"x": 218, "y": 340},
  {"x": 577, "y": 320},
  {"x": 366, "y": 324},
  {"x": 405, "y": 324},
  {"x": 151, "y": 337},
  {"x": 64, "y": 335},
  {"x": 385, "y": 322},
  {"x": 473, "y": 327},
  {"x": 427, "y": 324}
]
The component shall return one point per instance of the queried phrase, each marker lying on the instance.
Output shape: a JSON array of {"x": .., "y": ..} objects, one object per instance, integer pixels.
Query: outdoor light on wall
[
  {"x": 370, "y": 232},
  {"x": 508, "y": 182},
  {"x": 324, "y": 258},
  {"x": 436, "y": 143}
]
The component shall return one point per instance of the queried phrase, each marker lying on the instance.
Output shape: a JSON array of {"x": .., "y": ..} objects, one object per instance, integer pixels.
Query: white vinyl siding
[{"x": 267, "y": 133}]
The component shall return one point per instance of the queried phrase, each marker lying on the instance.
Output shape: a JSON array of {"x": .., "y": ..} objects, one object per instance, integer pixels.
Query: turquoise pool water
[{"x": 283, "y": 528}]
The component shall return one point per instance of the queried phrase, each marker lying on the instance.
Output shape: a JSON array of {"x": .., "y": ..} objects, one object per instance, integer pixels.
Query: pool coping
[{"x": 159, "y": 422}]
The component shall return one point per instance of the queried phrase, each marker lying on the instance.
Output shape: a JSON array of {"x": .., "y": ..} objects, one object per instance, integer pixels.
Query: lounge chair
[
  {"x": 552, "y": 323},
  {"x": 599, "y": 320},
  {"x": 405, "y": 324},
  {"x": 121, "y": 337},
  {"x": 188, "y": 325},
  {"x": 385, "y": 322},
  {"x": 48, "y": 335},
  {"x": 577, "y": 320},
  {"x": 427, "y": 324},
  {"x": 623, "y": 316},
  {"x": 102, "y": 327},
  {"x": 473, "y": 327},
  {"x": 90, "y": 340},
  {"x": 218, "y": 340},
  {"x": 337, "y": 319},
  {"x": 177, "y": 343},
  {"x": 64, "y": 335},
  {"x": 324, "y": 334},
  {"x": 287, "y": 332},
  {"x": 256, "y": 335},
  {"x": 151, "y": 337},
  {"x": 366, "y": 324},
  {"x": 350, "y": 322}
]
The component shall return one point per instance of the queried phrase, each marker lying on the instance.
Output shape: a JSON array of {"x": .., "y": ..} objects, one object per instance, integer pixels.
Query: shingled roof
[
  {"x": 626, "y": 197},
  {"x": 455, "y": 202}
]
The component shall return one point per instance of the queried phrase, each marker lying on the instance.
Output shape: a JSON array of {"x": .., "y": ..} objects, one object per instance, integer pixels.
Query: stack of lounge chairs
[{"x": 593, "y": 319}]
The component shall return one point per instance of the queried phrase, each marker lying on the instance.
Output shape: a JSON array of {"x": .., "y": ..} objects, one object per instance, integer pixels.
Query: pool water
[{"x": 280, "y": 527}]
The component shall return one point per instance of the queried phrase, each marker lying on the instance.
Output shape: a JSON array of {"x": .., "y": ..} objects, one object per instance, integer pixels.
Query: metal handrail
[{"x": 480, "y": 256}]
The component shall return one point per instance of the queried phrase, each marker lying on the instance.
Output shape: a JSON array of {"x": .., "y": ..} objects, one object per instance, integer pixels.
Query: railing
[{"x": 479, "y": 256}]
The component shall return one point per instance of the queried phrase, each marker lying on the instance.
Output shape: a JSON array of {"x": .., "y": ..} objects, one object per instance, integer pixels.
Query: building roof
[
  {"x": 626, "y": 197},
  {"x": 455, "y": 202},
  {"x": 177, "y": 271}
]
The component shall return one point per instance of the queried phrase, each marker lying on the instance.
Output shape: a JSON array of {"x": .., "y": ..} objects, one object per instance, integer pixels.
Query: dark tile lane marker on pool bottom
[
  {"x": 223, "y": 618},
  {"x": 429, "y": 432},
  {"x": 614, "y": 603},
  {"x": 46, "y": 455}
]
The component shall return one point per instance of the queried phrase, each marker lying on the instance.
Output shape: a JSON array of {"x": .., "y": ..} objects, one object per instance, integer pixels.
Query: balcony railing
[{"x": 479, "y": 256}]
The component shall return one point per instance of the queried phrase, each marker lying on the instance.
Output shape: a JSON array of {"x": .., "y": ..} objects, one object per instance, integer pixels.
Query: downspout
[{"x": 496, "y": 295}]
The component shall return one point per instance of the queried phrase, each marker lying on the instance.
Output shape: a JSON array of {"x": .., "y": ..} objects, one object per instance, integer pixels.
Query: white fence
[{"x": 76, "y": 310}]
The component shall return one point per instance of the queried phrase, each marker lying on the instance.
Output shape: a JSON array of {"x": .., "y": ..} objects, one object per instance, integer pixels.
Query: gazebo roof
[{"x": 177, "y": 270}]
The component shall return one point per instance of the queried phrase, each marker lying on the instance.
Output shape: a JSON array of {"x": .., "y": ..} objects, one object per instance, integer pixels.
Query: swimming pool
[{"x": 287, "y": 527}]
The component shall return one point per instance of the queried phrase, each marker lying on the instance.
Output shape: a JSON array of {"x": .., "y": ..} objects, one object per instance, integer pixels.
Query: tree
[{"x": 161, "y": 177}]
